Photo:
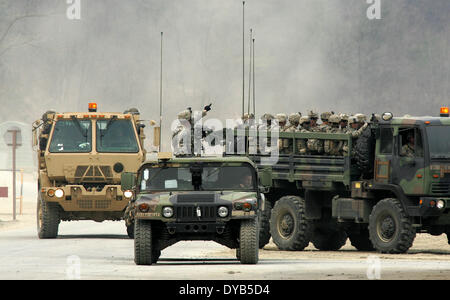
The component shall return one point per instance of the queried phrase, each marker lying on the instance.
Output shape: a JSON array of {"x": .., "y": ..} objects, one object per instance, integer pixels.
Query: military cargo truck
[
  {"x": 81, "y": 156},
  {"x": 378, "y": 194},
  {"x": 194, "y": 198}
]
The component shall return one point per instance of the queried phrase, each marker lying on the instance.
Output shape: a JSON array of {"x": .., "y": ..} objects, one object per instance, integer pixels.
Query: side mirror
[{"x": 127, "y": 181}]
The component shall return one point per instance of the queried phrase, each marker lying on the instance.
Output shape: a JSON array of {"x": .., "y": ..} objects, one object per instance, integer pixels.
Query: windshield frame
[{"x": 203, "y": 164}]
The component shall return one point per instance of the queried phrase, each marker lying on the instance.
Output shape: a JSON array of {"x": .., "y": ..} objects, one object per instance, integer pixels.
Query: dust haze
[{"x": 310, "y": 54}]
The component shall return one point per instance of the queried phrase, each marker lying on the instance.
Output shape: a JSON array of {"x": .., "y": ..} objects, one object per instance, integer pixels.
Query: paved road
[{"x": 89, "y": 250}]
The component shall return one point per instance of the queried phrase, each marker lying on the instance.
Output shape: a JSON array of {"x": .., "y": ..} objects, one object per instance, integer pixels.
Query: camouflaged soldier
[
  {"x": 325, "y": 124},
  {"x": 333, "y": 147},
  {"x": 408, "y": 149},
  {"x": 359, "y": 126},
  {"x": 315, "y": 146},
  {"x": 294, "y": 121},
  {"x": 302, "y": 147},
  {"x": 266, "y": 124},
  {"x": 344, "y": 122},
  {"x": 182, "y": 133},
  {"x": 283, "y": 144}
]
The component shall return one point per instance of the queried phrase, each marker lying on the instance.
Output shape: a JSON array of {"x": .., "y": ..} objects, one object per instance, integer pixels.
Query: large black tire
[
  {"x": 361, "y": 240},
  {"x": 364, "y": 153},
  {"x": 130, "y": 231},
  {"x": 327, "y": 239},
  {"x": 390, "y": 229},
  {"x": 248, "y": 242},
  {"x": 143, "y": 246},
  {"x": 264, "y": 225},
  {"x": 48, "y": 219},
  {"x": 288, "y": 225}
]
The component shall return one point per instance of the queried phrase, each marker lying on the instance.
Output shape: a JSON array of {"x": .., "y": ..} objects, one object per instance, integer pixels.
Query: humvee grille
[
  {"x": 440, "y": 188},
  {"x": 188, "y": 213}
]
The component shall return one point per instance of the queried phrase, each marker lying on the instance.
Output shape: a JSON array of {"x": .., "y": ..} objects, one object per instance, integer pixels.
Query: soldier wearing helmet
[
  {"x": 267, "y": 124},
  {"x": 305, "y": 126},
  {"x": 334, "y": 147},
  {"x": 286, "y": 144},
  {"x": 325, "y": 124},
  {"x": 315, "y": 146},
  {"x": 344, "y": 122}
]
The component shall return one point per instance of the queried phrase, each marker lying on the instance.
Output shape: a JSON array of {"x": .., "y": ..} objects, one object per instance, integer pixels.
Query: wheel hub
[
  {"x": 286, "y": 225},
  {"x": 386, "y": 228}
]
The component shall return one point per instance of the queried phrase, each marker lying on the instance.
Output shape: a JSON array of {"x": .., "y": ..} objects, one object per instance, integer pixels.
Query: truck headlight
[
  {"x": 59, "y": 193},
  {"x": 128, "y": 194},
  {"x": 440, "y": 204},
  {"x": 167, "y": 212},
  {"x": 222, "y": 211}
]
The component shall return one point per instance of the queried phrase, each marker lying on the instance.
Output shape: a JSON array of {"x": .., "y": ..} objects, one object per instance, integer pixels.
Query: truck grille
[
  {"x": 89, "y": 204},
  {"x": 440, "y": 188},
  {"x": 93, "y": 174},
  {"x": 188, "y": 213}
]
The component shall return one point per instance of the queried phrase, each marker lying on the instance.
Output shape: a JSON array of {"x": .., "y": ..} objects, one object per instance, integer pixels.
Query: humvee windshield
[
  {"x": 116, "y": 136},
  {"x": 71, "y": 136},
  {"x": 439, "y": 142},
  {"x": 212, "y": 178}
]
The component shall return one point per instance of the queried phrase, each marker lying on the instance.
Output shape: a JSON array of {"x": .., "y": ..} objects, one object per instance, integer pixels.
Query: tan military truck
[{"x": 81, "y": 156}]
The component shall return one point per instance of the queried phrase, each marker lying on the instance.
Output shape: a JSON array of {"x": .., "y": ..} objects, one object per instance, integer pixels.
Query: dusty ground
[{"x": 429, "y": 258}]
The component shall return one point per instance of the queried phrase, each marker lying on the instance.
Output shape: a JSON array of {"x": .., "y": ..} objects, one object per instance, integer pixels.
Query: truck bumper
[
  {"x": 77, "y": 198},
  {"x": 433, "y": 206}
]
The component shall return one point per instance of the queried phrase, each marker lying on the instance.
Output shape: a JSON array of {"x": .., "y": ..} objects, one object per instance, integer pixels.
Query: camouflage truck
[
  {"x": 378, "y": 194},
  {"x": 194, "y": 198},
  {"x": 81, "y": 156}
]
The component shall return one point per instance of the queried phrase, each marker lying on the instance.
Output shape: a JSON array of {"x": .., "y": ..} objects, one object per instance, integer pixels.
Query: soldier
[
  {"x": 265, "y": 125},
  {"x": 184, "y": 130},
  {"x": 294, "y": 120},
  {"x": 302, "y": 146},
  {"x": 360, "y": 125},
  {"x": 282, "y": 120},
  {"x": 344, "y": 122},
  {"x": 325, "y": 124},
  {"x": 408, "y": 149},
  {"x": 283, "y": 144},
  {"x": 315, "y": 146},
  {"x": 333, "y": 147}
]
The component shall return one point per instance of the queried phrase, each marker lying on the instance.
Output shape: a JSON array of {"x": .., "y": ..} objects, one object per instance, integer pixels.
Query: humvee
[
  {"x": 81, "y": 156},
  {"x": 194, "y": 198}
]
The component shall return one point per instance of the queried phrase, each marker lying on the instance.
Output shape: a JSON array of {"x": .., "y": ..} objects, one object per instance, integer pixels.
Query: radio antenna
[
  {"x": 250, "y": 72},
  {"x": 254, "y": 99},
  {"x": 243, "y": 58},
  {"x": 160, "y": 94}
]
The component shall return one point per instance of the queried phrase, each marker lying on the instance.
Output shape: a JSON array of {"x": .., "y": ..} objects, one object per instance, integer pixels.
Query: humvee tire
[
  {"x": 361, "y": 240},
  {"x": 143, "y": 250},
  {"x": 47, "y": 219},
  {"x": 288, "y": 225},
  {"x": 248, "y": 242},
  {"x": 390, "y": 230},
  {"x": 326, "y": 239},
  {"x": 264, "y": 225}
]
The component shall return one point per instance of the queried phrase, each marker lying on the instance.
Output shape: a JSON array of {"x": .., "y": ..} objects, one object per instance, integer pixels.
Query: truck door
[
  {"x": 407, "y": 167},
  {"x": 384, "y": 155}
]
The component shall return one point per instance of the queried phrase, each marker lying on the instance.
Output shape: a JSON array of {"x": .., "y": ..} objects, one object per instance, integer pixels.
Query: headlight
[
  {"x": 222, "y": 211},
  {"x": 128, "y": 194},
  {"x": 167, "y": 212},
  {"x": 59, "y": 193},
  {"x": 440, "y": 204},
  {"x": 51, "y": 193}
]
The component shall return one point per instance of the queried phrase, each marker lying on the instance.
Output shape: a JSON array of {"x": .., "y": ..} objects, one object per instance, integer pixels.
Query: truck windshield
[
  {"x": 439, "y": 142},
  {"x": 212, "y": 178},
  {"x": 71, "y": 136},
  {"x": 116, "y": 136}
]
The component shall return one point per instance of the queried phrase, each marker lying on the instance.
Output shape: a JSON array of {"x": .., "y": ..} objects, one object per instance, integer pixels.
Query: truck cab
[{"x": 81, "y": 157}]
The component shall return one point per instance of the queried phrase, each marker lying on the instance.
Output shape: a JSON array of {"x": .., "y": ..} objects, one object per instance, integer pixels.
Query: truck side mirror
[{"x": 127, "y": 181}]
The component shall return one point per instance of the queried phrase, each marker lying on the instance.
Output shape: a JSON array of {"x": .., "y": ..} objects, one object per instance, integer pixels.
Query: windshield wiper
[
  {"x": 103, "y": 132},
  {"x": 78, "y": 125}
]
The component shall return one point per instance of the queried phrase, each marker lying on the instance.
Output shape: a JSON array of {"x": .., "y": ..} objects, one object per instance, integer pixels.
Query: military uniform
[
  {"x": 334, "y": 147},
  {"x": 315, "y": 146},
  {"x": 302, "y": 147},
  {"x": 407, "y": 151},
  {"x": 265, "y": 146},
  {"x": 325, "y": 124}
]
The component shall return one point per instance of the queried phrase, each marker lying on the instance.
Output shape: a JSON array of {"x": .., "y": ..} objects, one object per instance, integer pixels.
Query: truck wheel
[
  {"x": 288, "y": 226},
  {"x": 143, "y": 252},
  {"x": 47, "y": 219},
  {"x": 325, "y": 239},
  {"x": 264, "y": 225},
  {"x": 390, "y": 230},
  {"x": 248, "y": 242},
  {"x": 130, "y": 231},
  {"x": 361, "y": 240}
]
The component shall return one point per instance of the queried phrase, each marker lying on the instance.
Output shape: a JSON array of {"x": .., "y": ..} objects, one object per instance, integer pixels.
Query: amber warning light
[
  {"x": 92, "y": 107},
  {"x": 444, "y": 112}
]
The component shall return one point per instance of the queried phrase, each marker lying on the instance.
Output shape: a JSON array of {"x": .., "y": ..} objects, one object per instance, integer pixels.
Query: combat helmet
[
  {"x": 294, "y": 118},
  {"x": 304, "y": 119},
  {"x": 282, "y": 118},
  {"x": 360, "y": 118},
  {"x": 313, "y": 115},
  {"x": 184, "y": 115},
  {"x": 334, "y": 119},
  {"x": 325, "y": 116}
]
